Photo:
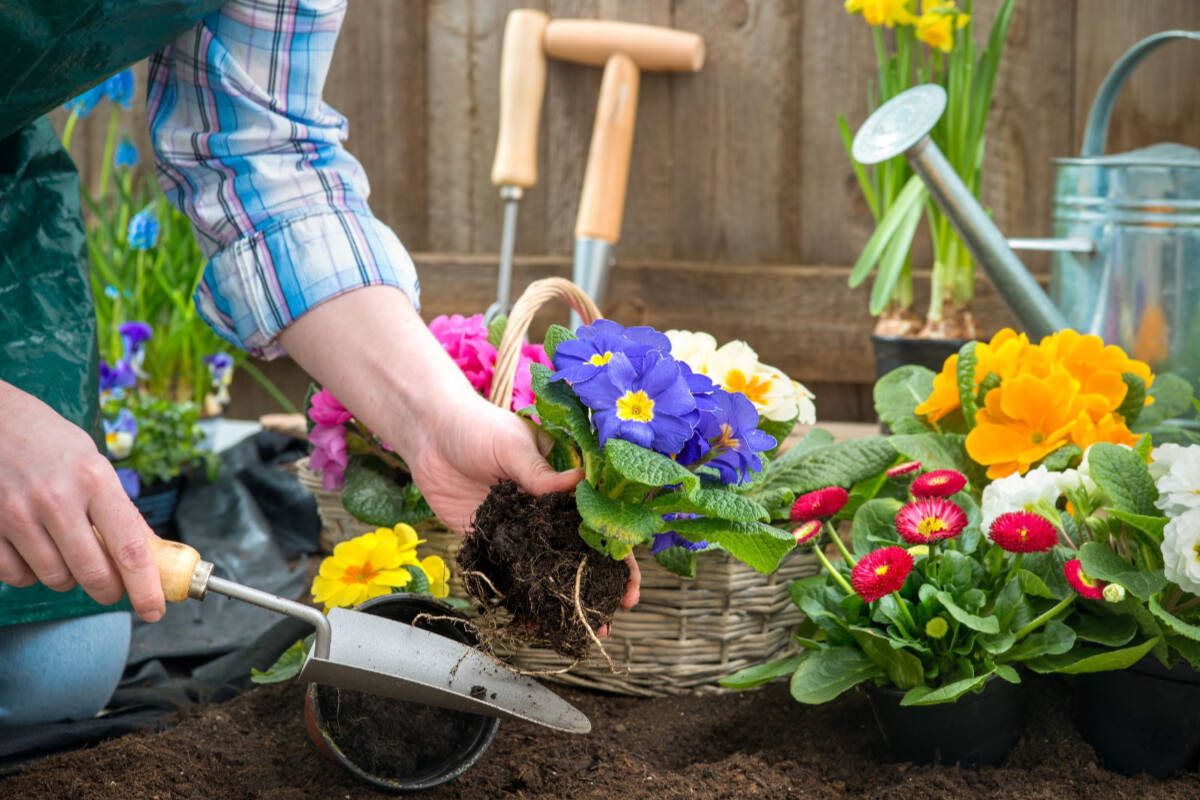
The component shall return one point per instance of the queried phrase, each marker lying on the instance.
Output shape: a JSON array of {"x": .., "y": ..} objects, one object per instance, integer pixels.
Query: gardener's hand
[
  {"x": 371, "y": 349},
  {"x": 55, "y": 487}
]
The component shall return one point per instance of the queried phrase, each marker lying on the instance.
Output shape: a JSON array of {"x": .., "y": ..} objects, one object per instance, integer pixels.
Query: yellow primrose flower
[
  {"x": 439, "y": 577},
  {"x": 937, "y": 24},
  {"x": 1097, "y": 366},
  {"x": 366, "y": 566},
  {"x": 882, "y": 12}
]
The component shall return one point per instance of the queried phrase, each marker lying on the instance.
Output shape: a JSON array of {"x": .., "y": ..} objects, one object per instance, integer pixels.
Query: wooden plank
[
  {"x": 1159, "y": 103},
  {"x": 799, "y": 318},
  {"x": 377, "y": 80},
  {"x": 737, "y": 183}
]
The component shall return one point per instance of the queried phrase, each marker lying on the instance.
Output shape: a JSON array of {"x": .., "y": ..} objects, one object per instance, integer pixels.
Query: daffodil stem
[
  {"x": 837, "y": 576},
  {"x": 841, "y": 546},
  {"x": 1044, "y": 618}
]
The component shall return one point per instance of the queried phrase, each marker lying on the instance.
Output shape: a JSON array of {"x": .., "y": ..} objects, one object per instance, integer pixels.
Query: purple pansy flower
[
  {"x": 669, "y": 539},
  {"x": 731, "y": 431},
  {"x": 116, "y": 379},
  {"x": 581, "y": 359},
  {"x": 219, "y": 365},
  {"x": 120, "y": 434},
  {"x": 133, "y": 336},
  {"x": 130, "y": 482},
  {"x": 649, "y": 404}
]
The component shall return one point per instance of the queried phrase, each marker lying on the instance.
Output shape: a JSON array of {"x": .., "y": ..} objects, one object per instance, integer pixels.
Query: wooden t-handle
[
  {"x": 522, "y": 85},
  {"x": 607, "y": 173},
  {"x": 178, "y": 564},
  {"x": 652, "y": 48}
]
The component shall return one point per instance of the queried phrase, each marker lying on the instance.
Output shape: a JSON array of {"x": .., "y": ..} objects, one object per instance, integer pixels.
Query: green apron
[{"x": 56, "y": 49}]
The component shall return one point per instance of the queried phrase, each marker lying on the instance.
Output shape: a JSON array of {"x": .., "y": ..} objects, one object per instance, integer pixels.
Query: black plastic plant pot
[
  {"x": 1142, "y": 719},
  {"x": 158, "y": 501},
  {"x": 394, "y": 744},
  {"x": 896, "y": 351},
  {"x": 977, "y": 730}
]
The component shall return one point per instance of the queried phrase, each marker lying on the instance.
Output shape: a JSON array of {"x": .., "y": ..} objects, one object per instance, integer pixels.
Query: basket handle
[{"x": 533, "y": 298}]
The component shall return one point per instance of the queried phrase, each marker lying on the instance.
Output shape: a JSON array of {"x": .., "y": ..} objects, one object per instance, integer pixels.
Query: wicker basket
[{"x": 684, "y": 635}]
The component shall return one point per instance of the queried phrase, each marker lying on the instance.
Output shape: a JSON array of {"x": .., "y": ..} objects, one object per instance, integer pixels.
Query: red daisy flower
[
  {"x": 807, "y": 532},
  {"x": 903, "y": 473},
  {"x": 881, "y": 572},
  {"x": 929, "y": 519},
  {"x": 1080, "y": 582},
  {"x": 939, "y": 483},
  {"x": 821, "y": 504},
  {"x": 1023, "y": 532}
]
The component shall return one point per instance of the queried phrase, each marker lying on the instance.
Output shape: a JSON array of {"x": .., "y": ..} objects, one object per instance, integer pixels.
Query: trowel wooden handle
[
  {"x": 607, "y": 175},
  {"x": 522, "y": 85},
  {"x": 177, "y": 564},
  {"x": 652, "y": 48}
]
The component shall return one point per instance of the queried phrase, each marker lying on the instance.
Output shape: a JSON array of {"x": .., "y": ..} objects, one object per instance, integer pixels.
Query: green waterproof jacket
[{"x": 52, "y": 51}]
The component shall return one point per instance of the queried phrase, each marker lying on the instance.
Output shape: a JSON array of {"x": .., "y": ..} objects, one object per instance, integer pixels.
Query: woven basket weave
[{"x": 684, "y": 635}]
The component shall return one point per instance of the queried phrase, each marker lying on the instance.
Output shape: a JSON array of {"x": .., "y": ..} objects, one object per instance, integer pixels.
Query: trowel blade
[{"x": 393, "y": 659}]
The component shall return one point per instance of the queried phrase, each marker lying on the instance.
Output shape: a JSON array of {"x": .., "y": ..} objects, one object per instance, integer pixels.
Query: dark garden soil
[
  {"x": 529, "y": 550},
  {"x": 752, "y": 745}
]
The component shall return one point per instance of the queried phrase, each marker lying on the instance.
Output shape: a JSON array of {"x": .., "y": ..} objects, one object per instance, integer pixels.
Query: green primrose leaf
[
  {"x": 1143, "y": 447},
  {"x": 988, "y": 624},
  {"x": 496, "y": 330},
  {"x": 419, "y": 583},
  {"x": 1062, "y": 458},
  {"x": 1055, "y": 638},
  {"x": 874, "y": 524},
  {"x": 1135, "y": 398},
  {"x": 630, "y": 523},
  {"x": 840, "y": 464},
  {"x": 777, "y": 430},
  {"x": 288, "y": 665},
  {"x": 1110, "y": 631},
  {"x": 755, "y": 544},
  {"x": 903, "y": 669},
  {"x": 898, "y": 393},
  {"x": 1172, "y": 397},
  {"x": 989, "y": 382},
  {"x": 925, "y": 696},
  {"x": 1100, "y": 562},
  {"x": 556, "y": 335},
  {"x": 1092, "y": 659},
  {"x": 759, "y": 674},
  {"x": 712, "y": 501},
  {"x": 1173, "y": 622},
  {"x": 1124, "y": 478},
  {"x": 637, "y": 464},
  {"x": 933, "y": 450},
  {"x": 371, "y": 495},
  {"x": 1151, "y": 525},
  {"x": 677, "y": 560},
  {"x": 825, "y": 674},
  {"x": 965, "y": 377},
  {"x": 813, "y": 440},
  {"x": 558, "y": 406}
]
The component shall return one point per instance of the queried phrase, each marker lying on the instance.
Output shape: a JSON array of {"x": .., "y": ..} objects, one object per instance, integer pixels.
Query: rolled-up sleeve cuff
[{"x": 257, "y": 286}]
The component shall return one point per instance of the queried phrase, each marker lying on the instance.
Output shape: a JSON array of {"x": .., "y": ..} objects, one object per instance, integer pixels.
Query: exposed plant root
[{"x": 583, "y": 618}]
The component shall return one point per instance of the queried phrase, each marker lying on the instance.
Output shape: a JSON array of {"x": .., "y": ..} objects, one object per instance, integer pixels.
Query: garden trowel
[{"x": 355, "y": 650}]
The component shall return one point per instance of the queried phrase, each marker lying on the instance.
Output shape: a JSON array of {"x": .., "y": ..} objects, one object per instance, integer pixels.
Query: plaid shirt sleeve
[{"x": 246, "y": 148}]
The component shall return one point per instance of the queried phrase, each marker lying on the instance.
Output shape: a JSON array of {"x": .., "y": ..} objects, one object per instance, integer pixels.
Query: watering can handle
[{"x": 1096, "y": 132}]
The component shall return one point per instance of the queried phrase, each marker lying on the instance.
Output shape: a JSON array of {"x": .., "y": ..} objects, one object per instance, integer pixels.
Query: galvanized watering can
[{"x": 1127, "y": 226}]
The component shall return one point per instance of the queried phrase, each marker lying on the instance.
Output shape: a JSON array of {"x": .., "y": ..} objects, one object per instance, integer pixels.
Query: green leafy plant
[{"x": 167, "y": 441}]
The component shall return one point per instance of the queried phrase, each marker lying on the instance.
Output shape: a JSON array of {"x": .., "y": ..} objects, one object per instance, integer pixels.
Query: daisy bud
[
  {"x": 1114, "y": 593},
  {"x": 821, "y": 504},
  {"x": 1081, "y": 582},
  {"x": 936, "y": 628},
  {"x": 903, "y": 474},
  {"x": 807, "y": 532},
  {"x": 939, "y": 483}
]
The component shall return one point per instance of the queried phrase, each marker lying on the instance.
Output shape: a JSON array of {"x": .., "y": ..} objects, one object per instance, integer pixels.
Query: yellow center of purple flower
[
  {"x": 930, "y": 525},
  {"x": 727, "y": 439},
  {"x": 600, "y": 359},
  {"x": 636, "y": 406}
]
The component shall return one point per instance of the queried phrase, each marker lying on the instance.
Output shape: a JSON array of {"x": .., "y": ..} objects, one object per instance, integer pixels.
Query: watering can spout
[{"x": 902, "y": 126}]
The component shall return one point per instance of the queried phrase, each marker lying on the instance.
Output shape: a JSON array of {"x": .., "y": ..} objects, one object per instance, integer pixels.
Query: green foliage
[
  {"x": 168, "y": 441},
  {"x": 556, "y": 335},
  {"x": 965, "y": 377},
  {"x": 677, "y": 560},
  {"x": 629, "y": 523},
  {"x": 826, "y": 674},
  {"x": 288, "y": 665},
  {"x": 377, "y": 495},
  {"x": 839, "y": 464},
  {"x": 897, "y": 395},
  {"x": 1101, "y": 562},
  {"x": 1124, "y": 478},
  {"x": 495, "y": 331},
  {"x": 1172, "y": 397}
]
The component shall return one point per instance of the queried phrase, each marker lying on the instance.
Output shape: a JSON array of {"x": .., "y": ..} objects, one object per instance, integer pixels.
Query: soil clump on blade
[
  {"x": 743, "y": 746},
  {"x": 523, "y": 554}
]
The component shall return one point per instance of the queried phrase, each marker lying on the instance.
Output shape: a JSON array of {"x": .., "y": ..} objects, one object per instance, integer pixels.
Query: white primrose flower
[
  {"x": 735, "y": 368},
  {"x": 805, "y": 404},
  {"x": 1163, "y": 457},
  {"x": 1179, "y": 486},
  {"x": 1019, "y": 493},
  {"x": 692, "y": 349},
  {"x": 1181, "y": 551}
]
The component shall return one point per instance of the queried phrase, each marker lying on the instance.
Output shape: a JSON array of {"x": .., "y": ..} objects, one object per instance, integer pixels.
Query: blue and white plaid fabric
[{"x": 246, "y": 147}]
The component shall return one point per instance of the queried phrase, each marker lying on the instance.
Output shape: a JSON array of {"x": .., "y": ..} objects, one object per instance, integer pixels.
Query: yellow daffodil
[
  {"x": 882, "y": 12},
  {"x": 937, "y": 24},
  {"x": 367, "y": 566},
  {"x": 1023, "y": 421}
]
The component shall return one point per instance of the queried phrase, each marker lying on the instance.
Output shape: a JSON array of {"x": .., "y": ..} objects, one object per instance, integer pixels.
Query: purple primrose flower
[
  {"x": 649, "y": 404},
  {"x": 669, "y": 539},
  {"x": 581, "y": 359},
  {"x": 731, "y": 432}
]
